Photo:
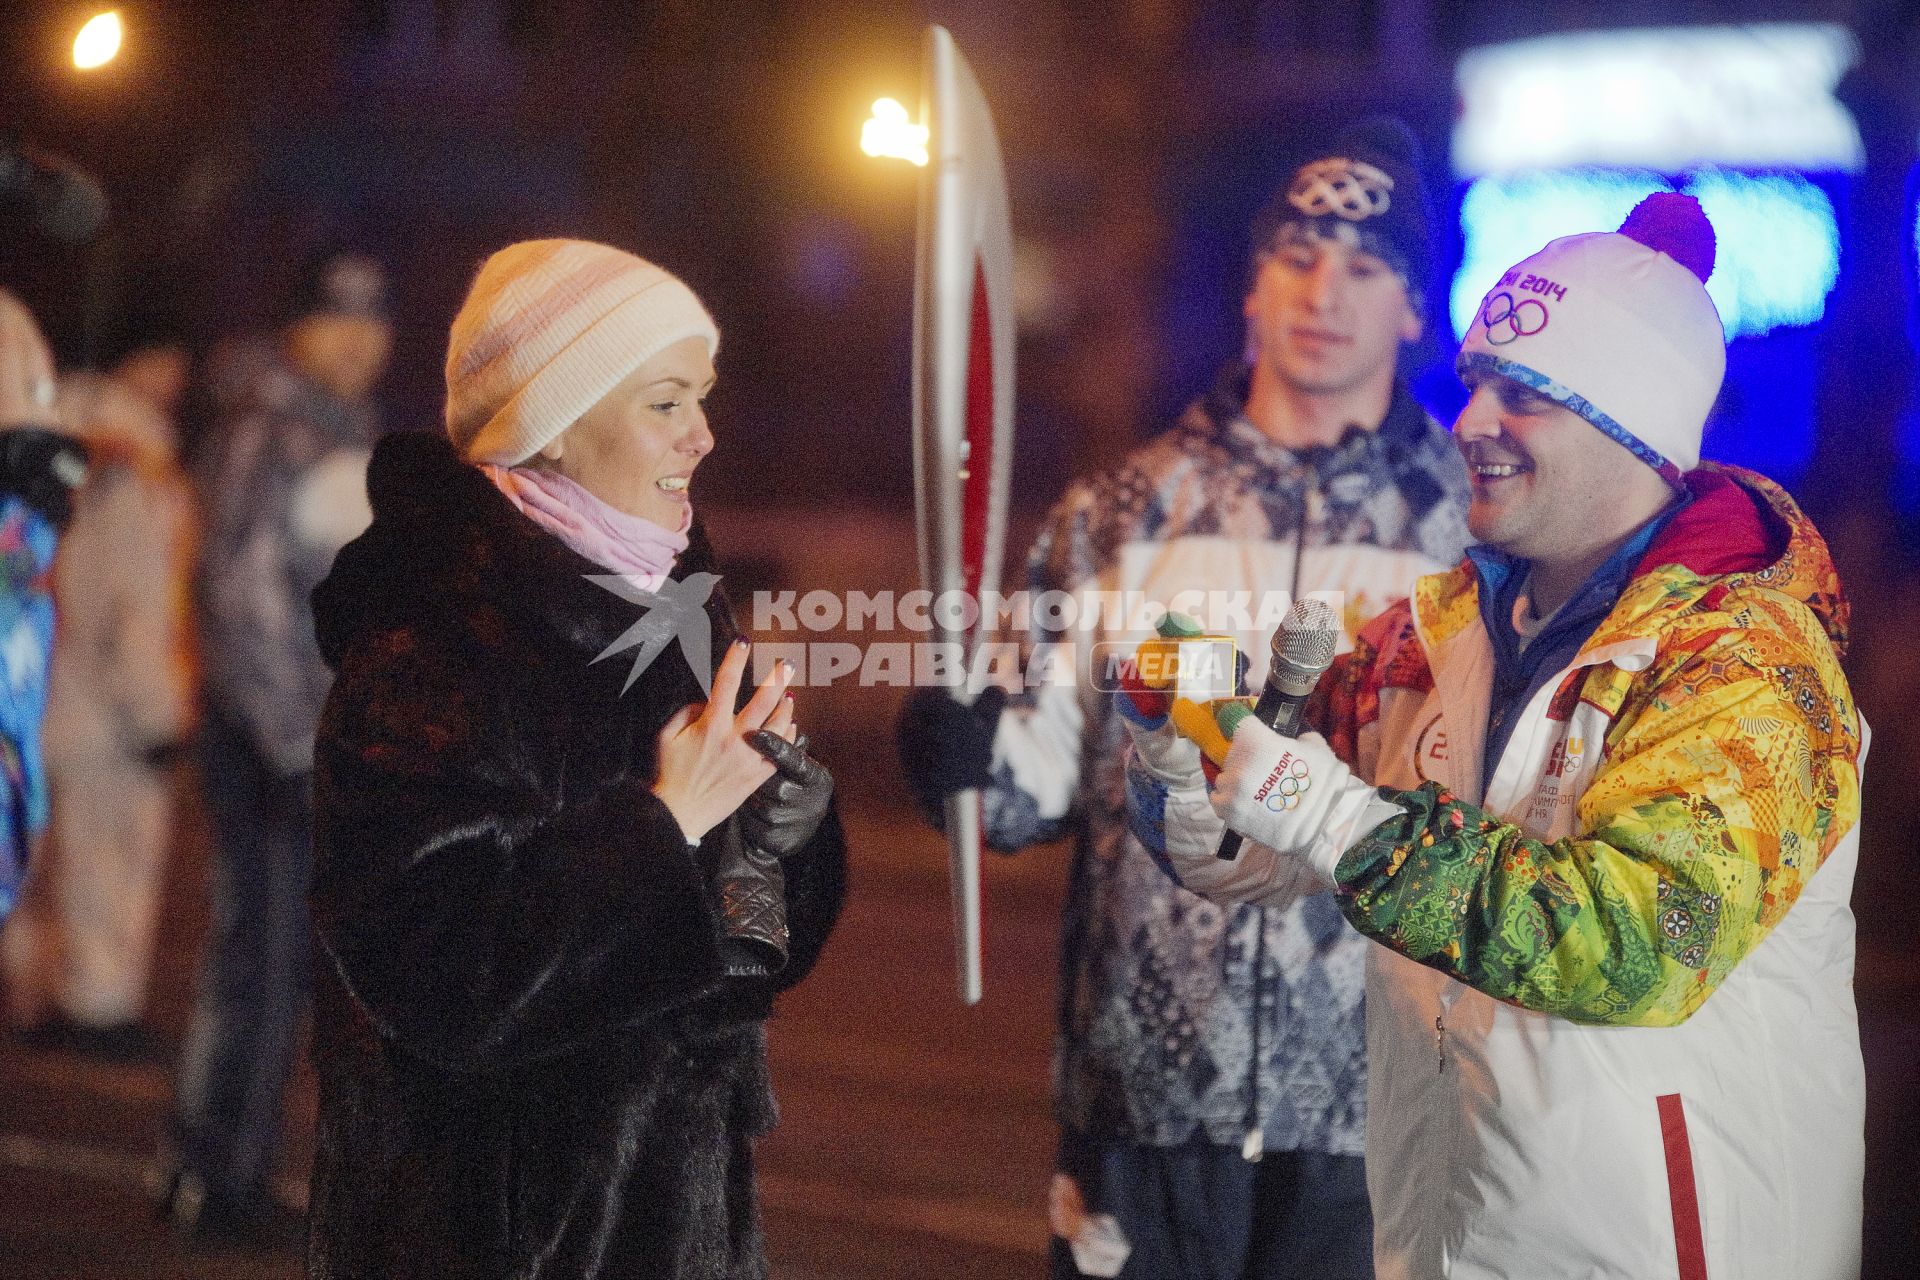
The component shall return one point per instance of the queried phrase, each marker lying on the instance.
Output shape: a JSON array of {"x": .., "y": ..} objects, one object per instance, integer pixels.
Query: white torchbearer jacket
[{"x": 1611, "y": 1031}]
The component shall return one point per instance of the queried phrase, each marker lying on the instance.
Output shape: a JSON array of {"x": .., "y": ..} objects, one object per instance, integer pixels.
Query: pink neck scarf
[{"x": 632, "y": 546}]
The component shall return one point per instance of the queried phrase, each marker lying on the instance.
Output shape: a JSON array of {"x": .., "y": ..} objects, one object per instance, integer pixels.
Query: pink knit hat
[{"x": 549, "y": 327}]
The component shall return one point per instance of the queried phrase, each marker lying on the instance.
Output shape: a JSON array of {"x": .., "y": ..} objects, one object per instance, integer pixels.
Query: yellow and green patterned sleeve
[{"x": 1722, "y": 790}]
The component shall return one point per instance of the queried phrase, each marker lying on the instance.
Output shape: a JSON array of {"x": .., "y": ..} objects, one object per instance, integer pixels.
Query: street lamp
[{"x": 98, "y": 41}]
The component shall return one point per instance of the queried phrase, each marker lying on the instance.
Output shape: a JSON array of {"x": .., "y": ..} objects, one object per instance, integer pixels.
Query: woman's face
[{"x": 637, "y": 448}]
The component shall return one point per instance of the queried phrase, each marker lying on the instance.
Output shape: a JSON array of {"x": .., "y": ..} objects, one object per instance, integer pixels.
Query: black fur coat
[{"x": 530, "y": 1063}]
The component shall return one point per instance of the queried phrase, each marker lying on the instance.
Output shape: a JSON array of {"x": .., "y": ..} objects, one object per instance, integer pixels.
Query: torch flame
[{"x": 890, "y": 134}]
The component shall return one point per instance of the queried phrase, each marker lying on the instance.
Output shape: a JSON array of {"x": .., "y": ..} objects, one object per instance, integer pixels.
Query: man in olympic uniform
[{"x": 1607, "y": 861}]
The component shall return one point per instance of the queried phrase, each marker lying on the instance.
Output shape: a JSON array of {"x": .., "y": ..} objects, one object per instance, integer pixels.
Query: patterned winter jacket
[
  {"x": 1172, "y": 1010},
  {"x": 1611, "y": 1024},
  {"x": 283, "y": 486}
]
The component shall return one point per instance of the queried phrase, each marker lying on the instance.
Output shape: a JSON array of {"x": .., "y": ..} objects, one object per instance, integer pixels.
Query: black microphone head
[{"x": 1304, "y": 645}]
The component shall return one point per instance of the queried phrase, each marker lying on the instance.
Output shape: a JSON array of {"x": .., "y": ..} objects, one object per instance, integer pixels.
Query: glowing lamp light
[
  {"x": 98, "y": 41},
  {"x": 1565, "y": 134},
  {"x": 1758, "y": 96},
  {"x": 890, "y": 134},
  {"x": 1778, "y": 238}
]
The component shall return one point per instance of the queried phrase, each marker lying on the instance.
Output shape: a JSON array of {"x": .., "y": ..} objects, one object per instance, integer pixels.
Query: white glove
[
  {"x": 1294, "y": 797},
  {"x": 1170, "y": 814},
  {"x": 330, "y": 507}
]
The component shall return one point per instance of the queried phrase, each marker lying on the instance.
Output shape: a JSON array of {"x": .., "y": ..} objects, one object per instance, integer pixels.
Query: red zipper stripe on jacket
[{"x": 1687, "y": 1240}]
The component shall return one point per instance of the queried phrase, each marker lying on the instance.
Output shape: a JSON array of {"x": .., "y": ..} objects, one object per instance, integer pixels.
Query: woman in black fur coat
[{"x": 554, "y": 896}]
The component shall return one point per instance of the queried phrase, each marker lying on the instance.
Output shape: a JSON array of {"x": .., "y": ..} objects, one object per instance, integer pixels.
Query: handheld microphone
[{"x": 1302, "y": 650}]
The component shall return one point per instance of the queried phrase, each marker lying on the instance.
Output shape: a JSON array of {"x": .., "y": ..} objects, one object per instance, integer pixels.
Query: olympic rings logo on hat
[
  {"x": 1292, "y": 785},
  {"x": 1350, "y": 189},
  {"x": 1507, "y": 321}
]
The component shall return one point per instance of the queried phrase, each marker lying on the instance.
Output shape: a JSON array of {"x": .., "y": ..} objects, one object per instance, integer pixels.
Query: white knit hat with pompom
[{"x": 1616, "y": 326}]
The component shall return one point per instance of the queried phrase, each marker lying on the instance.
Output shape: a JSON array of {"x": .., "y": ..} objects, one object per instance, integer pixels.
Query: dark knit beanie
[
  {"x": 339, "y": 282},
  {"x": 1366, "y": 190}
]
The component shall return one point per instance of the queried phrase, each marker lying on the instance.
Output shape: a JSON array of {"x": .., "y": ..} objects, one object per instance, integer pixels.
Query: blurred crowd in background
[{"x": 181, "y": 589}]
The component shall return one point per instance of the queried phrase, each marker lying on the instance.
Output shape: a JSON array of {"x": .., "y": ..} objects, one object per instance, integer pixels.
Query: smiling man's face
[
  {"x": 1326, "y": 317},
  {"x": 1547, "y": 484}
]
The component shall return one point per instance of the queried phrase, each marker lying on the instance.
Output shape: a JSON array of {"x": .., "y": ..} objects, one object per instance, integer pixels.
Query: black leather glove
[
  {"x": 43, "y": 468},
  {"x": 750, "y": 896},
  {"x": 783, "y": 814},
  {"x": 946, "y": 747}
]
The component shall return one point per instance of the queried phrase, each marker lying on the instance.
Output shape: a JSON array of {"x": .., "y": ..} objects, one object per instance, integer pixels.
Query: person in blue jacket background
[{"x": 39, "y": 469}]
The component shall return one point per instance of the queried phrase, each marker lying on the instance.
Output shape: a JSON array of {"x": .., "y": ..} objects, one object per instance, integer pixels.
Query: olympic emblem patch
[
  {"x": 1349, "y": 189},
  {"x": 1285, "y": 786},
  {"x": 1507, "y": 320}
]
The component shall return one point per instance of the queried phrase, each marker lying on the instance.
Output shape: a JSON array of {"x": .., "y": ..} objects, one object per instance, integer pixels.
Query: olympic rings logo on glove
[
  {"x": 1285, "y": 786},
  {"x": 1506, "y": 320},
  {"x": 1349, "y": 189}
]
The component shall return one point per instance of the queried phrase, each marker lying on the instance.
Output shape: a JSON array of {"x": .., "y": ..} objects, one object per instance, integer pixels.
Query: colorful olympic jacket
[
  {"x": 1181, "y": 1020},
  {"x": 27, "y": 542},
  {"x": 1611, "y": 1030}
]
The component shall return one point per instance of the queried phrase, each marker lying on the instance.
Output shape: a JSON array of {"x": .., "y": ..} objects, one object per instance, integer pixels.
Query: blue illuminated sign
[{"x": 1778, "y": 240}]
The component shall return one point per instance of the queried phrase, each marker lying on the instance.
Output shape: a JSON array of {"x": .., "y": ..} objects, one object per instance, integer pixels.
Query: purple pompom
[{"x": 1675, "y": 225}]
